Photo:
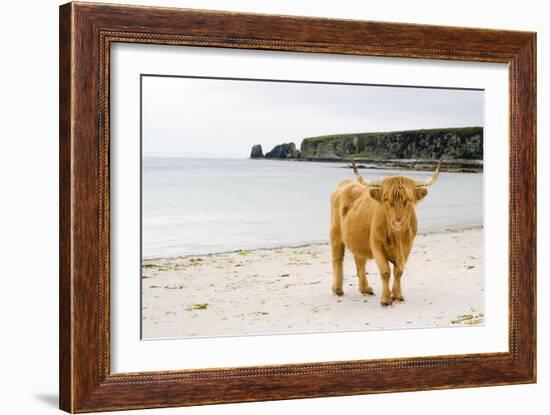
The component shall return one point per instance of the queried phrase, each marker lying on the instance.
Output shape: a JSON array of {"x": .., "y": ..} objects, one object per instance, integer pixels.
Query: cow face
[{"x": 398, "y": 196}]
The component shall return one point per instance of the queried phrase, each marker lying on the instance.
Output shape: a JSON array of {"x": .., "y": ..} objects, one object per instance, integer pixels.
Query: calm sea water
[{"x": 197, "y": 205}]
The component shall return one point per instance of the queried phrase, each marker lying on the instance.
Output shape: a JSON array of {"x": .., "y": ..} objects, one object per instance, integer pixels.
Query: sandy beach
[{"x": 288, "y": 290}]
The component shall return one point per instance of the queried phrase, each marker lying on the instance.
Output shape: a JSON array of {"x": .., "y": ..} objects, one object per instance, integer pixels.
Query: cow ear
[
  {"x": 420, "y": 193},
  {"x": 376, "y": 193}
]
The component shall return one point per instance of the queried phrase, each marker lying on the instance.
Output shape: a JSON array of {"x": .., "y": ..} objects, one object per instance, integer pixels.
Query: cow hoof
[
  {"x": 338, "y": 291},
  {"x": 367, "y": 291},
  {"x": 386, "y": 303},
  {"x": 399, "y": 298}
]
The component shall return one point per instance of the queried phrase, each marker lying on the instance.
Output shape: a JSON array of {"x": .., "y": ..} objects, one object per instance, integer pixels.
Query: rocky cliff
[{"x": 454, "y": 143}]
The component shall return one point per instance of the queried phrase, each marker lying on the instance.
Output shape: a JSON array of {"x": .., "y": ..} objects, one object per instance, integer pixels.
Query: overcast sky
[{"x": 224, "y": 118}]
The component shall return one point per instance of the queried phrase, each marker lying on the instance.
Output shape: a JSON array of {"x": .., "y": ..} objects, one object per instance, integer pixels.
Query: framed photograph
[{"x": 258, "y": 207}]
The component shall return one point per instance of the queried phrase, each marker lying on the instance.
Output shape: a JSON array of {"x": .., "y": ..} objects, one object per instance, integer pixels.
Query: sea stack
[
  {"x": 283, "y": 151},
  {"x": 257, "y": 152}
]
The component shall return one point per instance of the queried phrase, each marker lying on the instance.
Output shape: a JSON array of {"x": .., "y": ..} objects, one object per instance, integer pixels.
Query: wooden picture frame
[{"x": 86, "y": 33}]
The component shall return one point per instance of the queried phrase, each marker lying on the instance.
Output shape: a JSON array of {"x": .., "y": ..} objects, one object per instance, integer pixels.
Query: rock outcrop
[
  {"x": 283, "y": 151},
  {"x": 257, "y": 152},
  {"x": 454, "y": 143}
]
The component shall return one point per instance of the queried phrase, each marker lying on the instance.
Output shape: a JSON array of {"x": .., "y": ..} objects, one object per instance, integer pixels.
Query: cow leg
[
  {"x": 338, "y": 267},
  {"x": 396, "y": 293},
  {"x": 384, "y": 269},
  {"x": 363, "y": 282}
]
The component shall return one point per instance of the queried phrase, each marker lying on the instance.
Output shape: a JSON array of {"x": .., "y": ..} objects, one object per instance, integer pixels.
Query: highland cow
[{"x": 375, "y": 220}]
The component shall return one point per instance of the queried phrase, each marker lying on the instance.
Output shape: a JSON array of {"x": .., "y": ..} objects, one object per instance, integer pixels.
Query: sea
[{"x": 197, "y": 206}]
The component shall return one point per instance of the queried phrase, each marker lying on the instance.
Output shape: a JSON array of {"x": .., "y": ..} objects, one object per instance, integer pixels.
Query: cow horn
[
  {"x": 431, "y": 180},
  {"x": 360, "y": 178}
]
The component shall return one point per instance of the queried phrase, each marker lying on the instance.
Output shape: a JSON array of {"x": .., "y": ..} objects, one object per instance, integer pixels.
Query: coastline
[
  {"x": 287, "y": 290},
  {"x": 418, "y": 149},
  {"x": 447, "y": 166},
  {"x": 278, "y": 247}
]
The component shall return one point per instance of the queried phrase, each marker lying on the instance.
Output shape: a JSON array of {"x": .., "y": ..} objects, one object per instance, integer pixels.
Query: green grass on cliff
[{"x": 461, "y": 132}]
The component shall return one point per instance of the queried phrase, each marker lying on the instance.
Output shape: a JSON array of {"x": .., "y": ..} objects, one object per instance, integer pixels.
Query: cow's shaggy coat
[{"x": 375, "y": 221}]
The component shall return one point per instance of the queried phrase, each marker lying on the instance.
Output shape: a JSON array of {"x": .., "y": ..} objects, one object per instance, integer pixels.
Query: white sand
[{"x": 288, "y": 290}]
